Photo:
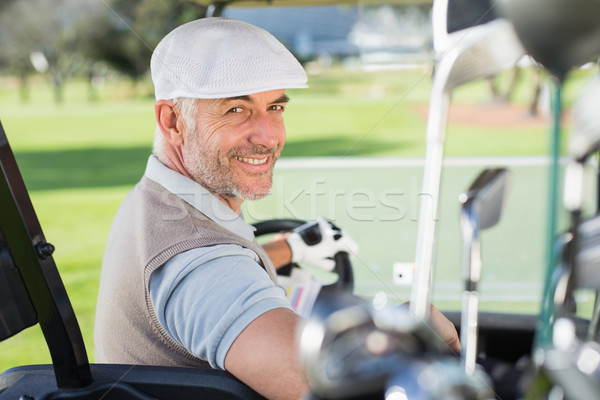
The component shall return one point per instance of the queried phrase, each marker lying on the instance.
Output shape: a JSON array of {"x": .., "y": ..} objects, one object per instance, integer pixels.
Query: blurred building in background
[{"x": 376, "y": 36}]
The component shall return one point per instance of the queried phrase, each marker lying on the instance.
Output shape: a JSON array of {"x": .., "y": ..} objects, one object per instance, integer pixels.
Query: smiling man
[{"x": 183, "y": 281}]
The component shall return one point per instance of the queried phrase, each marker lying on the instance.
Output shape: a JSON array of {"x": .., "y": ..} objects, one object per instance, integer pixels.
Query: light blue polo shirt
[{"x": 205, "y": 297}]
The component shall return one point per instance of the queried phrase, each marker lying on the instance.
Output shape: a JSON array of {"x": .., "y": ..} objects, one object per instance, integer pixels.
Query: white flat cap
[{"x": 218, "y": 57}]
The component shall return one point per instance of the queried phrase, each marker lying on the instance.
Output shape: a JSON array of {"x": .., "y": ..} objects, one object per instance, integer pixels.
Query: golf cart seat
[
  {"x": 31, "y": 292},
  {"x": 131, "y": 382}
]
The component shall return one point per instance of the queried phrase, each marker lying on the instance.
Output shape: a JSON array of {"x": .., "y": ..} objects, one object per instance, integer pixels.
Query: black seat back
[{"x": 31, "y": 288}]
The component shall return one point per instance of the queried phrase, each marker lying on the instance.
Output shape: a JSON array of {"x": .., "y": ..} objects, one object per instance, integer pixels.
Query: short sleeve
[{"x": 204, "y": 298}]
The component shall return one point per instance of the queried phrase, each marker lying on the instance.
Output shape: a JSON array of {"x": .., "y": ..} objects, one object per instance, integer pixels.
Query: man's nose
[{"x": 264, "y": 131}]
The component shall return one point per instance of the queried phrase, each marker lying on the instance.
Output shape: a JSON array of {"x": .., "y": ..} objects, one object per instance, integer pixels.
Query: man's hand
[
  {"x": 317, "y": 242},
  {"x": 445, "y": 329}
]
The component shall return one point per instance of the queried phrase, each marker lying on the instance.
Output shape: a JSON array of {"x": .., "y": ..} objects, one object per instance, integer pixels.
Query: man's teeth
[{"x": 253, "y": 161}]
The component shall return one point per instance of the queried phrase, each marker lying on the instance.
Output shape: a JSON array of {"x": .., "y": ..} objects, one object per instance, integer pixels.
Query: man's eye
[
  {"x": 277, "y": 107},
  {"x": 236, "y": 110}
]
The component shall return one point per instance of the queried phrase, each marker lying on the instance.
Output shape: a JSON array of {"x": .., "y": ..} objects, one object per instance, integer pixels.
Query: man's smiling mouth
[{"x": 253, "y": 161}]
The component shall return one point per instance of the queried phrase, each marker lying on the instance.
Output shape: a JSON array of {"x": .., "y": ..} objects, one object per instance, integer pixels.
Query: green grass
[{"x": 80, "y": 158}]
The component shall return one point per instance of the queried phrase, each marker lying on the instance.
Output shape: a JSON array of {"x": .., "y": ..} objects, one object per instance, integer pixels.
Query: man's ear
[{"x": 166, "y": 118}]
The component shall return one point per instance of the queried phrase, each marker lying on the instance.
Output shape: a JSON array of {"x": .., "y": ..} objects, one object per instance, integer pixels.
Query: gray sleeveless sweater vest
[{"x": 151, "y": 226}]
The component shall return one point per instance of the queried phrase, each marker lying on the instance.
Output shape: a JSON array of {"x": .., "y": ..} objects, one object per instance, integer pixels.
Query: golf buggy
[{"x": 350, "y": 347}]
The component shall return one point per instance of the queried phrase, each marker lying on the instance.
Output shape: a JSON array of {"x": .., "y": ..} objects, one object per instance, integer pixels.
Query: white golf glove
[{"x": 317, "y": 242}]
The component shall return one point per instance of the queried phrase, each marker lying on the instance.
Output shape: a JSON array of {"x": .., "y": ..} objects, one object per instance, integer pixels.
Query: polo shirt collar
[{"x": 198, "y": 197}]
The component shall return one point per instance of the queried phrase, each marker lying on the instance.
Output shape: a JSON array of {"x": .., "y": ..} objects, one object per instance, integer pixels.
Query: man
[{"x": 183, "y": 280}]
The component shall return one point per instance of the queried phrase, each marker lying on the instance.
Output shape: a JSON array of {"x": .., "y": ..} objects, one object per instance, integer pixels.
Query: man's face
[{"x": 233, "y": 147}]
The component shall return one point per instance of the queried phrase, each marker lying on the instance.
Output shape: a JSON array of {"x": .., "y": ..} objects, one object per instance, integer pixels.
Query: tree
[
  {"x": 50, "y": 31},
  {"x": 63, "y": 37},
  {"x": 128, "y": 31},
  {"x": 16, "y": 43}
]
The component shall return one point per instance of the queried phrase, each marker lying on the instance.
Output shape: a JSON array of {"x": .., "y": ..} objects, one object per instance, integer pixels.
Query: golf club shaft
[
  {"x": 543, "y": 335},
  {"x": 436, "y": 130},
  {"x": 468, "y": 330},
  {"x": 470, "y": 306}
]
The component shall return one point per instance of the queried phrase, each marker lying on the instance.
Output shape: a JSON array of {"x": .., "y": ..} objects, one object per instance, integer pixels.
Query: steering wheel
[{"x": 343, "y": 267}]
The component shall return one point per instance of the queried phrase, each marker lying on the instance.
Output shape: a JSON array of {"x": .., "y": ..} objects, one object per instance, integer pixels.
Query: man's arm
[
  {"x": 278, "y": 250},
  {"x": 219, "y": 304},
  {"x": 269, "y": 345},
  {"x": 205, "y": 298}
]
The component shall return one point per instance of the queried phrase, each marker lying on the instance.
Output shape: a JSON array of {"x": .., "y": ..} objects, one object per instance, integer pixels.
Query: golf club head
[
  {"x": 449, "y": 16},
  {"x": 438, "y": 380},
  {"x": 559, "y": 34},
  {"x": 333, "y": 354},
  {"x": 484, "y": 200},
  {"x": 349, "y": 348},
  {"x": 470, "y": 42},
  {"x": 480, "y": 52},
  {"x": 585, "y": 131},
  {"x": 576, "y": 371}
]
